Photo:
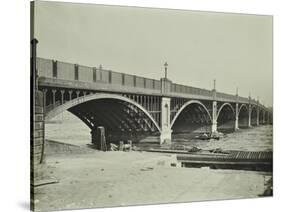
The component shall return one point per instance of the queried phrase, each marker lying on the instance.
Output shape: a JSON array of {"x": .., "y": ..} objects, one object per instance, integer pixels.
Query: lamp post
[{"x": 166, "y": 68}]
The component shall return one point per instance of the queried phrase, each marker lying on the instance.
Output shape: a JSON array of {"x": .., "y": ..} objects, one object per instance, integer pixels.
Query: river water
[
  {"x": 69, "y": 129},
  {"x": 257, "y": 138}
]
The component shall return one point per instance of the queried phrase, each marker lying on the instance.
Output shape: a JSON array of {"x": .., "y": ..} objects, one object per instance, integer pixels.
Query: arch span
[
  {"x": 85, "y": 115},
  {"x": 193, "y": 116},
  {"x": 243, "y": 116},
  {"x": 241, "y": 107},
  {"x": 223, "y": 106},
  {"x": 185, "y": 105},
  {"x": 254, "y": 115},
  {"x": 261, "y": 116},
  {"x": 226, "y": 118}
]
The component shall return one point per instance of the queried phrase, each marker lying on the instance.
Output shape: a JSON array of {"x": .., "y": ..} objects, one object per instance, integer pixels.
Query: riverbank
[{"x": 106, "y": 179}]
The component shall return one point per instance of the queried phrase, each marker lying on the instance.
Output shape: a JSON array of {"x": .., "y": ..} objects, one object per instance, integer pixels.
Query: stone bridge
[{"x": 133, "y": 107}]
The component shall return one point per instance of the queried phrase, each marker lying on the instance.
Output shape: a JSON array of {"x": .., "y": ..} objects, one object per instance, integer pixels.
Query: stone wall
[{"x": 37, "y": 143}]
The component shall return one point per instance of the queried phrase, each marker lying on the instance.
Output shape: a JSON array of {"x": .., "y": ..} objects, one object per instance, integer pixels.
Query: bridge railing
[
  {"x": 177, "y": 88},
  {"x": 74, "y": 72},
  {"x": 225, "y": 96},
  {"x": 243, "y": 99},
  {"x": 67, "y": 71}
]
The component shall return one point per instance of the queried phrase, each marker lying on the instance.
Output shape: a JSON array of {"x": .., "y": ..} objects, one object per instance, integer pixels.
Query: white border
[{"x": 15, "y": 101}]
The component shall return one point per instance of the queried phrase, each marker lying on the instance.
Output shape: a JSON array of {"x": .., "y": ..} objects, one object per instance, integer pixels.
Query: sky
[{"x": 234, "y": 49}]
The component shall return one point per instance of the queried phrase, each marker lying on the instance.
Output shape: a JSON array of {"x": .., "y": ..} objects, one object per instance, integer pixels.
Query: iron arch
[
  {"x": 185, "y": 105},
  {"x": 97, "y": 96},
  {"x": 240, "y": 108},
  {"x": 254, "y": 108},
  {"x": 223, "y": 105},
  {"x": 254, "y": 115}
]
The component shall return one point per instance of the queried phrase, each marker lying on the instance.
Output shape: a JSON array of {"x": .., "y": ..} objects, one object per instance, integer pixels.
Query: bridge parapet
[
  {"x": 65, "y": 71},
  {"x": 177, "y": 88},
  {"x": 55, "y": 72},
  {"x": 224, "y": 96}
]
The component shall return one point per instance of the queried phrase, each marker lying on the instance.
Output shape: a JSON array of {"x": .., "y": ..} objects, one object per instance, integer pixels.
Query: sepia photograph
[{"x": 138, "y": 106}]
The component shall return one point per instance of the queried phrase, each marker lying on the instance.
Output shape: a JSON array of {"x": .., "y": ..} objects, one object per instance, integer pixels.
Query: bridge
[{"x": 134, "y": 107}]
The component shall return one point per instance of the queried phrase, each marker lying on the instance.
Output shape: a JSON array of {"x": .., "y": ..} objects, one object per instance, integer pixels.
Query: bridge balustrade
[
  {"x": 140, "y": 82},
  {"x": 45, "y": 67},
  {"x": 85, "y": 74},
  {"x": 66, "y": 71},
  {"x": 243, "y": 99},
  {"x": 157, "y": 84},
  {"x": 177, "y": 88},
  {"x": 223, "y": 96},
  {"x": 117, "y": 78}
]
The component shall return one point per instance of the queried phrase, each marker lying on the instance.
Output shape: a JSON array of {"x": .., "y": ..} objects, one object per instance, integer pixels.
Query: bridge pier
[
  {"x": 166, "y": 131},
  {"x": 214, "y": 128},
  {"x": 236, "y": 117},
  {"x": 249, "y": 116},
  {"x": 258, "y": 116}
]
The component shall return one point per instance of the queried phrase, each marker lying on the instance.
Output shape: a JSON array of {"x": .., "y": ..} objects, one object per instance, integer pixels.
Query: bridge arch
[
  {"x": 226, "y": 118},
  {"x": 192, "y": 116},
  {"x": 241, "y": 107},
  {"x": 117, "y": 112},
  {"x": 254, "y": 115},
  {"x": 243, "y": 116},
  {"x": 261, "y": 116},
  {"x": 223, "y": 106},
  {"x": 185, "y": 105}
]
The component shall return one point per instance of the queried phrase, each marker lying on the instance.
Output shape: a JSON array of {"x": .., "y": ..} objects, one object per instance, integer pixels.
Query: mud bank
[{"x": 99, "y": 179}]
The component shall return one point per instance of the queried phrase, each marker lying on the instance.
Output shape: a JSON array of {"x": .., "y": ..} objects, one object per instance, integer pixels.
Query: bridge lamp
[{"x": 166, "y": 68}]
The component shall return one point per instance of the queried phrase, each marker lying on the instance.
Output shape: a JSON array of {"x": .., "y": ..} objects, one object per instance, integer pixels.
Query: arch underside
[
  {"x": 243, "y": 117},
  {"x": 226, "y": 118},
  {"x": 192, "y": 119},
  {"x": 261, "y": 117},
  {"x": 120, "y": 119},
  {"x": 254, "y": 116}
]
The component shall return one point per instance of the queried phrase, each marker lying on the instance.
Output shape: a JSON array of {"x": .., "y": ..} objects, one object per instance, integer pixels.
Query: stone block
[
  {"x": 38, "y": 133},
  {"x": 38, "y": 126},
  {"x": 38, "y": 98},
  {"x": 38, "y": 110},
  {"x": 36, "y": 149},
  {"x": 37, "y": 141},
  {"x": 38, "y": 117}
]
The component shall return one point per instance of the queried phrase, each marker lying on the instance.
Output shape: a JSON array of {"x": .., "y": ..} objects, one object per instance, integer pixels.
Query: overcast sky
[{"x": 199, "y": 47}]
